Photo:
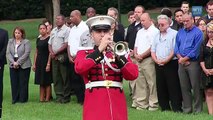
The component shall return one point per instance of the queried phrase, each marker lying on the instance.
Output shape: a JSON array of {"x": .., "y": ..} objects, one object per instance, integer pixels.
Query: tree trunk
[
  {"x": 56, "y": 9},
  {"x": 48, "y": 9}
]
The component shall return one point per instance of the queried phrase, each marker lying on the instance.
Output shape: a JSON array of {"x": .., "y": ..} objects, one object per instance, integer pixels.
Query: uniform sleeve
[
  {"x": 129, "y": 70},
  {"x": 121, "y": 61},
  {"x": 96, "y": 56},
  {"x": 85, "y": 61}
]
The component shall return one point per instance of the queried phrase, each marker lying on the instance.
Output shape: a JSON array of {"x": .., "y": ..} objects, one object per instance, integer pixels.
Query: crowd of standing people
[{"x": 169, "y": 61}]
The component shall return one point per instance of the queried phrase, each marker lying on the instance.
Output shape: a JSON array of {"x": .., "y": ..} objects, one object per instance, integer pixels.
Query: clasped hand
[
  {"x": 183, "y": 61},
  {"x": 15, "y": 65},
  {"x": 139, "y": 58},
  {"x": 208, "y": 72},
  {"x": 161, "y": 62}
]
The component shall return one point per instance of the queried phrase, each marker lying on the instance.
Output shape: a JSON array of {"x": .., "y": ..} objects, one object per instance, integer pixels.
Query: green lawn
[{"x": 33, "y": 110}]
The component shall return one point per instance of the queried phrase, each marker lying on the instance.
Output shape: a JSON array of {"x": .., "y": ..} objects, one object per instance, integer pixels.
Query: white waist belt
[{"x": 105, "y": 83}]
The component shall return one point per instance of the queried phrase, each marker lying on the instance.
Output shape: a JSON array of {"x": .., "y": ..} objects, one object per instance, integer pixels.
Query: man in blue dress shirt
[{"x": 187, "y": 46}]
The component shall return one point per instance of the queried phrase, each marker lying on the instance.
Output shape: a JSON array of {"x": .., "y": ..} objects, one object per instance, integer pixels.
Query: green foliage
[
  {"x": 22, "y": 9},
  {"x": 30, "y": 26}
]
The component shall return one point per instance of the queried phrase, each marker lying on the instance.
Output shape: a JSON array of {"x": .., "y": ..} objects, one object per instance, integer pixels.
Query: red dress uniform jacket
[{"x": 103, "y": 103}]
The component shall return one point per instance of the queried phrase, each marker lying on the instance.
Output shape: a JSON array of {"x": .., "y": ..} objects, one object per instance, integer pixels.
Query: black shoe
[
  {"x": 81, "y": 102},
  {"x": 51, "y": 98},
  {"x": 64, "y": 101},
  {"x": 72, "y": 92},
  {"x": 58, "y": 100}
]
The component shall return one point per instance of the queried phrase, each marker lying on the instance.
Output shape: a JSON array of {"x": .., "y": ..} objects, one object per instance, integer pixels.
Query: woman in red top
[{"x": 103, "y": 73}]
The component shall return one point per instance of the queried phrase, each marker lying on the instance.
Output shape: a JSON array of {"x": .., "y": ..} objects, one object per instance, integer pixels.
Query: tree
[
  {"x": 56, "y": 9},
  {"x": 48, "y": 5}
]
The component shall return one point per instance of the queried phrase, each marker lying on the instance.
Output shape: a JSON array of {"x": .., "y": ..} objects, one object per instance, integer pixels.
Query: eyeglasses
[
  {"x": 161, "y": 25},
  {"x": 209, "y": 32},
  {"x": 202, "y": 24}
]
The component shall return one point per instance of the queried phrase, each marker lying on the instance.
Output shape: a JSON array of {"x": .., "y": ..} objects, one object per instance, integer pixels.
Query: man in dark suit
[
  {"x": 134, "y": 27},
  {"x": 3, "y": 47},
  {"x": 130, "y": 39},
  {"x": 209, "y": 9},
  {"x": 178, "y": 22}
]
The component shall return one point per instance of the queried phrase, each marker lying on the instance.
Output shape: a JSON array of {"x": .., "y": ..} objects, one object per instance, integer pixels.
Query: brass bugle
[{"x": 121, "y": 48}]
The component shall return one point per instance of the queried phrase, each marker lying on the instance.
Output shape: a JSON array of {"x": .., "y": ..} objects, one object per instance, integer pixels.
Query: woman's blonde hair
[{"x": 210, "y": 25}]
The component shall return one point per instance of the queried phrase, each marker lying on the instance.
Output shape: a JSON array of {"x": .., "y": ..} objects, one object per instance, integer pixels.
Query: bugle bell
[{"x": 121, "y": 48}]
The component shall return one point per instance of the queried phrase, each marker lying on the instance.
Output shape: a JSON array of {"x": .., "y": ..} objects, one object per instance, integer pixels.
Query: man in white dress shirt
[
  {"x": 73, "y": 45},
  {"x": 145, "y": 94}
]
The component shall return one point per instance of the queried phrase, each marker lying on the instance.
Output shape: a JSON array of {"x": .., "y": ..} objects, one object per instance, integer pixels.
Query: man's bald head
[
  {"x": 146, "y": 15},
  {"x": 146, "y": 20},
  {"x": 76, "y": 13},
  {"x": 90, "y": 9},
  {"x": 75, "y": 17},
  {"x": 91, "y": 12}
]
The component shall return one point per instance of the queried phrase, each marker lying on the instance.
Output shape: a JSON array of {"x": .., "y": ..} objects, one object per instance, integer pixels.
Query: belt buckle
[{"x": 108, "y": 83}]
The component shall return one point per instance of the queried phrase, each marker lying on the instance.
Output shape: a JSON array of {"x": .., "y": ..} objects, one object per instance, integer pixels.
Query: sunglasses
[{"x": 161, "y": 25}]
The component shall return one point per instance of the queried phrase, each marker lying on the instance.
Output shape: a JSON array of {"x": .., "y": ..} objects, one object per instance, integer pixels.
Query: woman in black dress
[
  {"x": 206, "y": 62},
  {"x": 42, "y": 64}
]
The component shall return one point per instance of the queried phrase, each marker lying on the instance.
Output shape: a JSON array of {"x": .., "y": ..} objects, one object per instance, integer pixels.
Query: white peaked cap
[{"x": 100, "y": 21}]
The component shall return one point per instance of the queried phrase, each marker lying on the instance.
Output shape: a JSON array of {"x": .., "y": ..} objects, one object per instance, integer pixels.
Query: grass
[{"x": 34, "y": 110}]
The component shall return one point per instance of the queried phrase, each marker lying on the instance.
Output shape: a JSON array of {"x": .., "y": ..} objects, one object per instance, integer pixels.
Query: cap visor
[{"x": 101, "y": 27}]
